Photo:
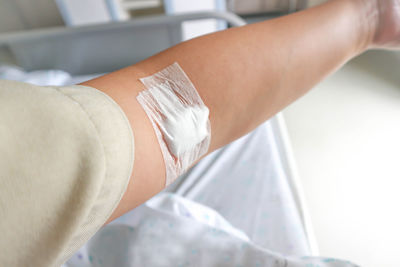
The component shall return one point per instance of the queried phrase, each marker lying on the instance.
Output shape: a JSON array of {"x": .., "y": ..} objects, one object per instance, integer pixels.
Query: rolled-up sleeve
[{"x": 66, "y": 156}]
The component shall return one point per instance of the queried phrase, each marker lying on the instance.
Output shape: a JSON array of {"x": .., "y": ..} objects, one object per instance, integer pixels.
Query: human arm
[{"x": 245, "y": 75}]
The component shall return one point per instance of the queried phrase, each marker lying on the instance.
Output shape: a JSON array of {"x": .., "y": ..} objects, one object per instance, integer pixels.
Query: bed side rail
[{"x": 99, "y": 48}]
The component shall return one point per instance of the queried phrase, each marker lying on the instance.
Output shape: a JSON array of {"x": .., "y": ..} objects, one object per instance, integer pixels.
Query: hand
[{"x": 385, "y": 18}]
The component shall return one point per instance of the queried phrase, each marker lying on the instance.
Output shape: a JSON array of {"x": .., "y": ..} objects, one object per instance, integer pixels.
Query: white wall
[{"x": 346, "y": 140}]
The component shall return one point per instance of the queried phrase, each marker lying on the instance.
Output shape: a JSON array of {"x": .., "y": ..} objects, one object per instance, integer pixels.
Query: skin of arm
[{"x": 244, "y": 75}]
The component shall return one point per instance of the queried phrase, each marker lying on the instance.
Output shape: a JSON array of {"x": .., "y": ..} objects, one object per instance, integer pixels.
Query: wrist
[{"x": 368, "y": 22}]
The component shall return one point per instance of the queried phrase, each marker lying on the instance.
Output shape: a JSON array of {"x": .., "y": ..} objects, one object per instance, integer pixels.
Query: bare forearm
[
  {"x": 244, "y": 75},
  {"x": 259, "y": 69}
]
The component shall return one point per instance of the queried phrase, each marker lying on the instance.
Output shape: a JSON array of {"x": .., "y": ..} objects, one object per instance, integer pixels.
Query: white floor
[{"x": 346, "y": 140}]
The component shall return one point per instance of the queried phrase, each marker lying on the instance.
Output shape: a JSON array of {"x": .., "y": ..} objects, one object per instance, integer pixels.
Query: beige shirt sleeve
[{"x": 66, "y": 156}]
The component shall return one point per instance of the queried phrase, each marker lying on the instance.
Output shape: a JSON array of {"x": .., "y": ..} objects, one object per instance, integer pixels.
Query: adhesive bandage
[{"x": 179, "y": 118}]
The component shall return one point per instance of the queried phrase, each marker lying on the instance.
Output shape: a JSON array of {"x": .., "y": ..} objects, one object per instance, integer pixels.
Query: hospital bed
[{"x": 252, "y": 182}]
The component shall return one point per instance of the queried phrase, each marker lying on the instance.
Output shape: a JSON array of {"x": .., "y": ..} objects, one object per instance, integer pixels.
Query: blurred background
[
  {"x": 27, "y": 14},
  {"x": 345, "y": 134}
]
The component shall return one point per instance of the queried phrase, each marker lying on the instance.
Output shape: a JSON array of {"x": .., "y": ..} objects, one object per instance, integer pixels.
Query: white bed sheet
[
  {"x": 247, "y": 184},
  {"x": 175, "y": 231}
]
